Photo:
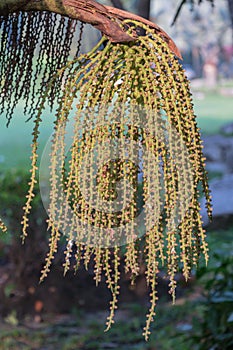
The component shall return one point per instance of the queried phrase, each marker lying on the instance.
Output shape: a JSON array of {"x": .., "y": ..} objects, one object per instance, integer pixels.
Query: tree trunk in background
[
  {"x": 118, "y": 4},
  {"x": 143, "y": 8},
  {"x": 230, "y": 5}
]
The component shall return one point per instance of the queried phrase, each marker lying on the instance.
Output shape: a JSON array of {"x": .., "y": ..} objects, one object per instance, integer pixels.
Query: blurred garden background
[{"x": 69, "y": 312}]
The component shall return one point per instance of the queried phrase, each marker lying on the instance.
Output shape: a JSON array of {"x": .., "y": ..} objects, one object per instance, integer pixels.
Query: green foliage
[
  {"x": 13, "y": 185},
  {"x": 215, "y": 328}
]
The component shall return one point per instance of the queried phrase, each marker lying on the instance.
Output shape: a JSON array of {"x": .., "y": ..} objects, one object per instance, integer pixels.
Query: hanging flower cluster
[
  {"x": 133, "y": 115},
  {"x": 131, "y": 172}
]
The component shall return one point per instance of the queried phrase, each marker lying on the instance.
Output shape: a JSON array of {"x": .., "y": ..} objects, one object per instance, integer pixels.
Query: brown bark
[{"x": 105, "y": 18}]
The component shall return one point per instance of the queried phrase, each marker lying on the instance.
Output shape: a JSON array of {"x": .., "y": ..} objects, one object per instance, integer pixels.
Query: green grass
[{"x": 213, "y": 111}]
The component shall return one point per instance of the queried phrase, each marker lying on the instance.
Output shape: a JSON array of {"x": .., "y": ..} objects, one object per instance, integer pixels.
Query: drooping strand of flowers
[
  {"x": 134, "y": 94},
  {"x": 3, "y": 227},
  {"x": 28, "y": 40}
]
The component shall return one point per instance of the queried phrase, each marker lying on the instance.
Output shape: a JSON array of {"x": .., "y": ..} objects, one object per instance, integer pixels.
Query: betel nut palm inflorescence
[{"x": 134, "y": 133}]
